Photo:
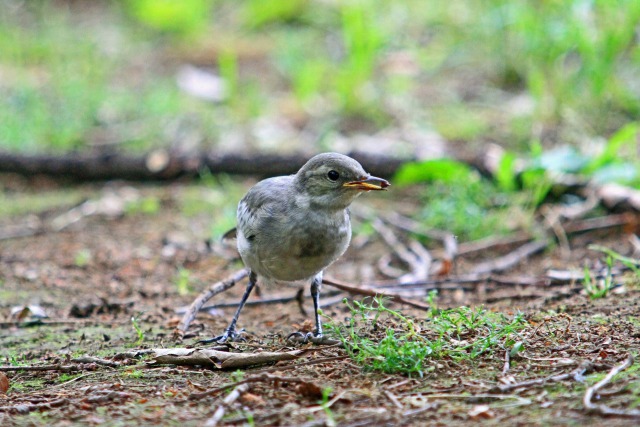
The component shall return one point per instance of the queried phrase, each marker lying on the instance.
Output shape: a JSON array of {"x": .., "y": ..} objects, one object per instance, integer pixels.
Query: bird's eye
[{"x": 333, "y": 175}]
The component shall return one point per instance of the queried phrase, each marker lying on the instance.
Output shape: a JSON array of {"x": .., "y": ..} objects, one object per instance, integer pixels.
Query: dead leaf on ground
[
  {"x": 4, "y": 383},
  {"x": 220, "y": 359},
  {"x": 481, "y": 412}
]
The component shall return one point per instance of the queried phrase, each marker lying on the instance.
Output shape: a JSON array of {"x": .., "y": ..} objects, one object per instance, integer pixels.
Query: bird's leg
[
  {"x": 230, "y": 332},
  {"x": 315, "y": 294},
  {"x": 316, "y": 336},
  {"x": 300, "y": 299}
]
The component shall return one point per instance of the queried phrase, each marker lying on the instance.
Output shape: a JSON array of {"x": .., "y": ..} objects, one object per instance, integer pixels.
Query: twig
[
  {"x": 474, "y": 397},
  {"x": 577, "y": 374},
  {"x": 360, "y": 290},
  {"x": 26, "y": 230},
  {"x": 228, "y": 400},
  {"x": 602, "y": 222},
  {"x": 195, "y": 306},
  {"x": 604, "y": 409},
  {"x": 407, "y": 224},
  {"x": 393, "y": 399},
  {"x": 24, "y": 408},
  {"x": 511, "y": 259},
  {"x": 507, "y": 362},
  {"x": 41, "y": 368},
  {"x": 309, "y": 362},
  {"x": 493, "y": 242},
  {"x": 96, "y": 360},
  {"x": 49, "y": 322},
  {"x": 265, "y": 301},
  {"x": 418, "y": 258},
  {"x": 256, "y": 379},
  {"x": 552, "y": 220}
]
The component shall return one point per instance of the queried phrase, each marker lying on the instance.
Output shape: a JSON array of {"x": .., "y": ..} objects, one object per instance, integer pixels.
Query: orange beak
[{"x": 369, "y": 183}]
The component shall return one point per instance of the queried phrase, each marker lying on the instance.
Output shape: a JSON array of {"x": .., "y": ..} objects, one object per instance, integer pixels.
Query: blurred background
[{"x": 395, "y": 78}]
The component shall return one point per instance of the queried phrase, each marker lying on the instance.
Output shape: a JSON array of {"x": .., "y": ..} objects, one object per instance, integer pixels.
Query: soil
[{"x": 93, "y": 276}]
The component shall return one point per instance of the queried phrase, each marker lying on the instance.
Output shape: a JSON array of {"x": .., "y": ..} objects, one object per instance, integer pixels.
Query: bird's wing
[{"x": 264, "y": 202}]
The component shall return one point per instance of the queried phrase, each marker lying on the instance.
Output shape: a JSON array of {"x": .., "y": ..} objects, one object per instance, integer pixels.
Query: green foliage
[
  {"x": 326, "y": 392},
  {"x": 183, "y": 281},
  {"x": 471, "y": 210},
  {"x": 228, "y": 67},
  {"x": 598, "y": 288},
  {"x": 146, "y": 205},
  {"x": 133, "y": 374},
  {"x": 406, "y": 347},
  {"x": 630, "y": 263},
  {"x": 456, "y": 199},
  {"x": 184, "y": 17},
  {"x": 505, "y": 175},
  {"x": 568, "y": 53},
  {"x": 22, "y": 203},
  {"x": 64, "y": 377},
  {"x": 362, "y": 40},
  {"x": 138, "y": 329},
  {"x": 82, "y": 258},
  {"x": 54, "y": 104},
  {"x": 258, "y": 13},
  {"x": 443, "y": 170}
]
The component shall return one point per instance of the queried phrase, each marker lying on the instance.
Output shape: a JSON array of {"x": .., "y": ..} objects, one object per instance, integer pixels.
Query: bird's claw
[
  {"x": 310, "y": 337},
  {"x": 229, "y": 335}
]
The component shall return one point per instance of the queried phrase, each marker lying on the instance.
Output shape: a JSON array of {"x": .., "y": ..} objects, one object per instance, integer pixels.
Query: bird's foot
[
  {"x": 311, "y": 337},
  {"x": 228, "y": 335}
]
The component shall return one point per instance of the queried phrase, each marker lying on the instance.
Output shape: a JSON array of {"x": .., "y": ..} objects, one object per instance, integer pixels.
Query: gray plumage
[{"x": 290, "y": 228}]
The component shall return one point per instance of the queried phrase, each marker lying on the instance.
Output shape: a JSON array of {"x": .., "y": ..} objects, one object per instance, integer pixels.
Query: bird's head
[{"x": 334, "y": 180}]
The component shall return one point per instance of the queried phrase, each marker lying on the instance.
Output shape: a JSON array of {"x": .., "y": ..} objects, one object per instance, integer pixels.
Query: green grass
[
  {"x": 598, "y": 288},
  {"x": 21, "y": 203},
  {"x": 379, "y": 338},
  {"x": 139, "y": 332},
  {"x": 573, "y": 62},
  {"x": 455, "y": 198},
  {"x": 182, "y": 280}
]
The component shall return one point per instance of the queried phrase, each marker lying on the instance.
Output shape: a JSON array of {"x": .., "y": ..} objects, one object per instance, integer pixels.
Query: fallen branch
[
  {"x": 604, "y": 409},
  {"x": 196, "y": 305},
  {"x": 41, "y": 368},
  {"x": 25, "y": 409},
  {"x": 280, "y": 368},
  {"x": 415, "y": 256},
  {"x": 228, "y": 400},
  {"x": 511, "y": 259},
  {"x": 257, "y": 378},
  {"x": 576, "y": 374},
  {"x": 220, "y": 359},
  {"x": 360, "y": 290},
  {"x": 96, "y": 360},
  {"x": 161, "y": 164}
]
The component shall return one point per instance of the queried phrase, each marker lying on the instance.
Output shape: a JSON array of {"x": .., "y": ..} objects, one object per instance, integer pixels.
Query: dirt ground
[{"x": 94, "y": 275}]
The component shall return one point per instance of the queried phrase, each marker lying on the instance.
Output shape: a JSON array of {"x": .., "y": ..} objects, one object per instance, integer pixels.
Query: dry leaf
[
  {"x": 310, "y": 390},
  {"x": 481, "y": 411},
  {"x": 252, "y": 400},
  {"x": 4, "y": 383}
]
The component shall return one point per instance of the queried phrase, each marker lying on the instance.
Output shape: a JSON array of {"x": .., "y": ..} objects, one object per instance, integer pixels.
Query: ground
[{"x": 94, "y": 275}]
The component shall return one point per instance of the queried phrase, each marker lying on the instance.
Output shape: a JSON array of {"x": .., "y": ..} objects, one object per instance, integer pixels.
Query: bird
[{"x": 291, "y": 228}]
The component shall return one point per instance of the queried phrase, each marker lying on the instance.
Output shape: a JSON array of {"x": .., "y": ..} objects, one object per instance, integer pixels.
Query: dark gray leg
[
  {"x": 315, "y": 337},
  {"x": 230, "y": 332},
  {"x": 316, "y": 284},
  {"x": 300, "y": 299}
]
